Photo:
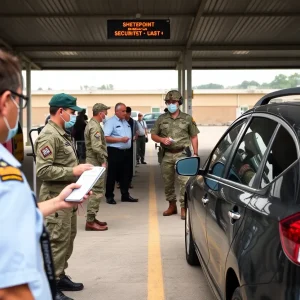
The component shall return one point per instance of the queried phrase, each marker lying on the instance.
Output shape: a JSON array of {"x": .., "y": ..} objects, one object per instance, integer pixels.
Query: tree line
[
  {"x": 279, "y": 82},
  {"x": 89, "y": 88}
]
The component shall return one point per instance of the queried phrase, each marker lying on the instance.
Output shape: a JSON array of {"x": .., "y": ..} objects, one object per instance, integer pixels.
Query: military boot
[
  {"x": 66, "y": 284},
  {"x": 183, "y": 211},
  {"x": 172, "y": 210},
  {"x": 61, "y": 296},
  {"x": 94, "y": 226}
]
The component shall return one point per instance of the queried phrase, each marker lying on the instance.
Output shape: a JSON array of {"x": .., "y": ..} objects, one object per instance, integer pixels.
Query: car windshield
[
  {"x": 148, "y": 117},
  {"x": 133, "y": 114}
]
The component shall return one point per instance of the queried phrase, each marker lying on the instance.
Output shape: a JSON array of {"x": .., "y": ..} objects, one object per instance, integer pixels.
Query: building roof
[{"x": 220, "y": 34}]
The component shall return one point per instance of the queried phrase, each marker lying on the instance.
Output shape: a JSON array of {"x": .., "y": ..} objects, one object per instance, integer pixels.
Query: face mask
[
  {"x": 12, "y": 131},
  {"x": 172, "y": 108},
  {"x": 69, "y": 124}
]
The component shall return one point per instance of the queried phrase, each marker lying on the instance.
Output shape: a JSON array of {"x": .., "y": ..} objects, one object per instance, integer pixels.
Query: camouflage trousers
[
  {"x": 98, "y": 194},
  {"x": 169, "y": 175},
  {"x": 62, "y": 228}
]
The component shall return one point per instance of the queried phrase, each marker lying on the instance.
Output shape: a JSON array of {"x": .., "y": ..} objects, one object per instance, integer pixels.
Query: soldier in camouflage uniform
[
  {"x": 57, "y": 166},
  {"x": 96, "y": 154},
  {"x": 175, "y": 131}
]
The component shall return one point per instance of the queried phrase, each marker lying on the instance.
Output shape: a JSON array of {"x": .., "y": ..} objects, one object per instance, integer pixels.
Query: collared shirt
[
  {"x": 21, "y": 225},
  {"x": 141, "y": 126},
  {"x": 180, "y": 129},
  {"x": 114, "y": 127}
]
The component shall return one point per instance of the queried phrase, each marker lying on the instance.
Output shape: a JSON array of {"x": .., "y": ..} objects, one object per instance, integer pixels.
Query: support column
[
  {"x": 29, "y": 105},
  {"x": 179, "y": 69},
  {"x": 183, "y": 85},
  {"x": 189, "y": 88}
]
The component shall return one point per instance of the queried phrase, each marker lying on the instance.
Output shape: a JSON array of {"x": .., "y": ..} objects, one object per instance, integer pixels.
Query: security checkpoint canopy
[{"x": 72, "y": 34}]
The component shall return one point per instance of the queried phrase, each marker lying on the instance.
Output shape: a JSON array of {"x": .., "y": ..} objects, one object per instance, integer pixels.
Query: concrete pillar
[
  {"x": 21, "y": 118},
  {"x": 179, "y": 69},
  {"x": 29, "y": 104},
  {"x": 183, "y": 85},
  {"x": 189, "y": 88}
]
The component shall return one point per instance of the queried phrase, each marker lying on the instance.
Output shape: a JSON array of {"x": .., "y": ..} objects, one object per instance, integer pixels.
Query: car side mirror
[{"x": 188, "y": 166}]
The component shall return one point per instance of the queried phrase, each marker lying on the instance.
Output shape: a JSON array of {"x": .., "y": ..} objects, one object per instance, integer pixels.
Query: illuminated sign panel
[{"x": 138, "y": 29}]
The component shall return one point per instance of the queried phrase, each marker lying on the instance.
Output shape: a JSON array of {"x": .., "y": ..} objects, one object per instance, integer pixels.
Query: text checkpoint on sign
[{"x": 138, "y": 29}]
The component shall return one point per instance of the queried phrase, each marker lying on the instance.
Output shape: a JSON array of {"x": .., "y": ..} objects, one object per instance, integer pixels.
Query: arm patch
[
  {"x": 46, "y": 151},
  {"x": 97, "y": 134}
]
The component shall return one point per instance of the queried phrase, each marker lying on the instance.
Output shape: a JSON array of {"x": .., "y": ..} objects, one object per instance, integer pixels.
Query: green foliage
[
  {"x": 279, "y": 82},
  {"x": 210, "y": 86}
]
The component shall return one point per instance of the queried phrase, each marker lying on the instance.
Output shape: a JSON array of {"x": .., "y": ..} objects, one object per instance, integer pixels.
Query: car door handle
[
  {"x": 205, "y": 200},
  {"x": 234, "y": 215}
]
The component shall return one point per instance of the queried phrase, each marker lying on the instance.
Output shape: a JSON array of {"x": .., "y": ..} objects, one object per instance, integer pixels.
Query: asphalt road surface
[{"x": 142, "y": 254}]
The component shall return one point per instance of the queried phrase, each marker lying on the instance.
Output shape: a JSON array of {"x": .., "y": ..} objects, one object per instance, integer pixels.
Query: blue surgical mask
[
  {"x": 12, "y": 131},
  {"x": 69, "y": 124},
  {"x": 172, "y": 108}
]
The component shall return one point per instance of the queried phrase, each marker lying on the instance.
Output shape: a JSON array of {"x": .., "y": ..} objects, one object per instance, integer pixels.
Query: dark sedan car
[
  {"x": 151, "y": 118},
  {"x": 243, "y": 205}
]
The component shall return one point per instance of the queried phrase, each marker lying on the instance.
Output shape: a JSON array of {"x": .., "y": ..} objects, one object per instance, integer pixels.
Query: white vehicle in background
[{"x": 134, "y": 114}]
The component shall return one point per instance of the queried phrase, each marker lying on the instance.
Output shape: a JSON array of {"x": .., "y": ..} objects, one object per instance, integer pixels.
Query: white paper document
[{"x": 87, "y": 180}]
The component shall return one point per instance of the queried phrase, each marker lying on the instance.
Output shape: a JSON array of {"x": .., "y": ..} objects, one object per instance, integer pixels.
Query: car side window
[
  {"x": 282, "y": 154},
  {"x": 251, "y": 150},
  {"x": 223, "y": 149}
]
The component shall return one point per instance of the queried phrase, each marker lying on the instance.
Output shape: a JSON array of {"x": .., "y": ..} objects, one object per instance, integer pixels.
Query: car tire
[
  {"x": 237, "y": 294},
  {"x": 190, "y": 252}
]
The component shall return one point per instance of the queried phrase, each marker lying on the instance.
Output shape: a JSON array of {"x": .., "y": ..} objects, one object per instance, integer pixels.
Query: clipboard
[{"x": 87, "y": 180}]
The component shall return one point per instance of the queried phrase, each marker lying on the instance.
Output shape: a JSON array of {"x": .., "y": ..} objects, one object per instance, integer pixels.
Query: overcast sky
[{"x": 145, "y": 80}]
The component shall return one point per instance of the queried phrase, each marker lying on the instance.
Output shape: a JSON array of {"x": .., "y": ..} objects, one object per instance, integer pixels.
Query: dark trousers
[
  {"x": 131, "y": 169},
  {"x": 119, "y": 166},
  {"x": 140, "y": 148}
]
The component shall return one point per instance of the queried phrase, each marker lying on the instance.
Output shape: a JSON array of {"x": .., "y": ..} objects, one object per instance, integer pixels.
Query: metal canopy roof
[{"x": 72, "y": 34}]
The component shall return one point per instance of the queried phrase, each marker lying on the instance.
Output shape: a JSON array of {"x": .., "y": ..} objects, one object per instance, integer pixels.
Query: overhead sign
[{"x": 138, "y": 29}]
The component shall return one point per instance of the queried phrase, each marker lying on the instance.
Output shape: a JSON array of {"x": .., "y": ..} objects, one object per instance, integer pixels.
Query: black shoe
[
  {"x": 60, "y": 296},
  {"x": 137, "y": 162},
  {"x": 111, "y": 201},
  {"x": 66, "y": 284},
  {"x": 129, "y": 199},
  {"x": 144, "y": 163}
]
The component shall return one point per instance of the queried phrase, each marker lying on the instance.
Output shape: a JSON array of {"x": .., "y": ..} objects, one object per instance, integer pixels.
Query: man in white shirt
[{"x": 141, "y": 140}]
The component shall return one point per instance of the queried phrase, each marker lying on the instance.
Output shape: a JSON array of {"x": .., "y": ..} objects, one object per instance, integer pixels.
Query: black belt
[
  {"x": 174, "y": 150},
  {"x": 119, "y": 149}
]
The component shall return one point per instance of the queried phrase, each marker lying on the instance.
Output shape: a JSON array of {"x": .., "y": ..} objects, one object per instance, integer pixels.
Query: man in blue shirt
[
  {"x": 22, "y": 273},
  {"x": 118, "y": 137}
]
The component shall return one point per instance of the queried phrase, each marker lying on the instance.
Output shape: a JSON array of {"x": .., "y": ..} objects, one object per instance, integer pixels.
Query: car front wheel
[{"x": 190, "y": 251}]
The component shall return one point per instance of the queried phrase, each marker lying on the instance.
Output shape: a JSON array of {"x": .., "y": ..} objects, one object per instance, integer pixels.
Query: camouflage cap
[
  {"x": 173, "y": 95},
  {"x": 64, "y": 101},
  {"x": 100, "y": 107}
]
